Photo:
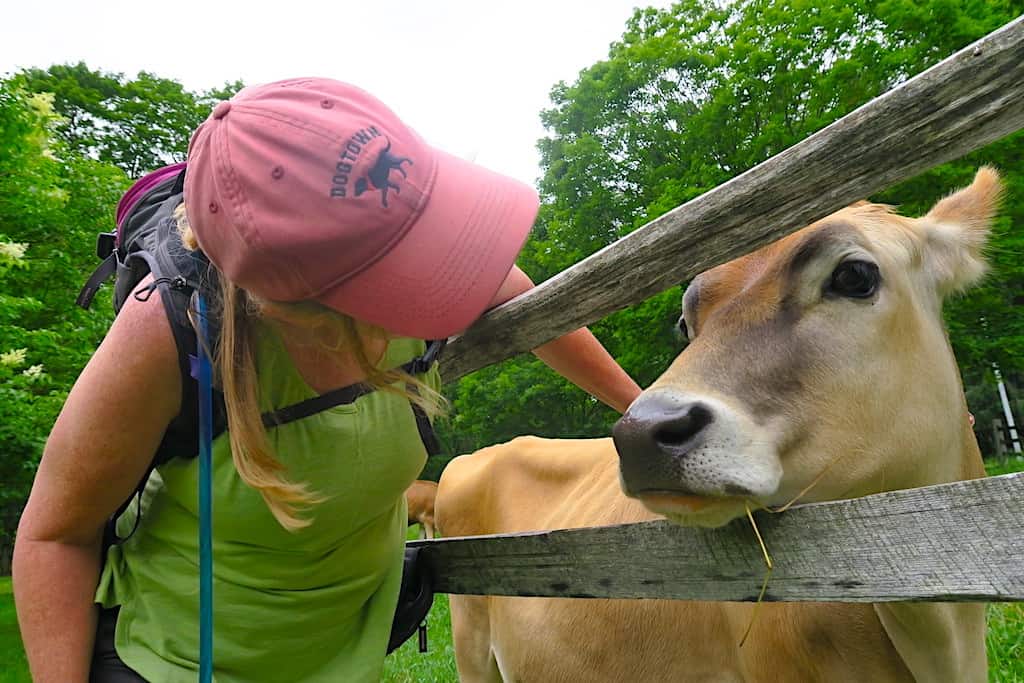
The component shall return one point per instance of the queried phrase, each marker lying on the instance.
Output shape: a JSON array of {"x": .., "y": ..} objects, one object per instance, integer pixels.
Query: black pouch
[
  {"x": 414, "y": 601},
  {"x": 107, "y": 667}
]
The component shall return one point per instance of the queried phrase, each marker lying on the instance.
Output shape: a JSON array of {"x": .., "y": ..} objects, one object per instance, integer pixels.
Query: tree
[
  {"x": 43, "y": 341},
  {"x": 136, "y": 124}
]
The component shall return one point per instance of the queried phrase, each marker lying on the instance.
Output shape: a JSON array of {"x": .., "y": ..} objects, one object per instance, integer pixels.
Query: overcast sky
[{"x": 471, "y": 77}]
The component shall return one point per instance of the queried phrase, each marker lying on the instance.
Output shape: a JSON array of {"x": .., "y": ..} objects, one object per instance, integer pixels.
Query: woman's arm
[
  {"x": 99, "y": 449},
  {"x": 578, "y": 356}
]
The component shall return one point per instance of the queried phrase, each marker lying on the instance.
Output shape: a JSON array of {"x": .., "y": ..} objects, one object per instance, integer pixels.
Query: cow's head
[{"x": 818, "y": 361}]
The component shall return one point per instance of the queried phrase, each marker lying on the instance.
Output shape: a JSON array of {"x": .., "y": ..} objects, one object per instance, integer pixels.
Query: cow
[
  {"x": 818, "y": 368},
  {"x": 419, "y": 498}
]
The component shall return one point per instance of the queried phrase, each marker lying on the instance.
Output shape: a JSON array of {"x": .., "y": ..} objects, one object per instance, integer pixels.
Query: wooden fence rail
[
  {"x": 965, "y": 102},
  {"x": 956, "y": 542}
]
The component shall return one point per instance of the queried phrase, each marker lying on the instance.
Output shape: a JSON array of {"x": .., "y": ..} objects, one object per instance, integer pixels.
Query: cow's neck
[{"x": 942, "y": 641}]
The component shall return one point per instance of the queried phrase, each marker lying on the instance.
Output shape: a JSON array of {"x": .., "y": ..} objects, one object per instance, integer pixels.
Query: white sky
[{"x": 471, "y": 77}]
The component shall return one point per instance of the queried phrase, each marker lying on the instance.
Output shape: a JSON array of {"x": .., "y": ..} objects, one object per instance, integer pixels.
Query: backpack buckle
[
  {"x": 421, "y": 364},
  {"x": 105, "y": 244}
]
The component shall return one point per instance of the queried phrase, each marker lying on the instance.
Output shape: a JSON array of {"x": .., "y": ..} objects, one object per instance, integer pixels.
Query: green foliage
[
  {"x": 518, "y": 397},
  {"x": 41, "y": 347},
  {"x": 136, "y": 124}
]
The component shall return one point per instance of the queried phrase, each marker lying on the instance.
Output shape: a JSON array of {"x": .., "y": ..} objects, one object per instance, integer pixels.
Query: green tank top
[{"x": 315, "y": 605}]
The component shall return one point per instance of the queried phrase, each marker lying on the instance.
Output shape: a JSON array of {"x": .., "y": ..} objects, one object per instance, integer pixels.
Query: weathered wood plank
[
  {"x": 965, "y": 102},
  {"x": 956, "y": 542}
]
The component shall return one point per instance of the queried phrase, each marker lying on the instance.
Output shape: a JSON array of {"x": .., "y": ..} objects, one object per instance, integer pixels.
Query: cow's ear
[{"x": 956, "y": 230}]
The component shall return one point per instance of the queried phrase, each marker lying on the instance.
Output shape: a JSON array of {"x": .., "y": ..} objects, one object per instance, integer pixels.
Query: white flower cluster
[
  {"x": 13, "y": 250},
  {"x": 16, "y": 357},
  {"x": 13, "y": 357}
]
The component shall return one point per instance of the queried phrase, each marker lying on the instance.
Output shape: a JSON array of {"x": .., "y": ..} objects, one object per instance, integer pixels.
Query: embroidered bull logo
[{"x": 379, "y": 176}]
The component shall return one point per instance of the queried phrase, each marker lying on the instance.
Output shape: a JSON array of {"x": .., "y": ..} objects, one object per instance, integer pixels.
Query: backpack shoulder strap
[
  {"x": 349, "y": 394},
  {"x": 181, "y": 436},
  {"x": 179, "y": 274}
]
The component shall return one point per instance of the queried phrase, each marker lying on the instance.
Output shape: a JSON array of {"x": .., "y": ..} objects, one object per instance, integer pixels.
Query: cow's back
[{"x": 532, "y": 483}]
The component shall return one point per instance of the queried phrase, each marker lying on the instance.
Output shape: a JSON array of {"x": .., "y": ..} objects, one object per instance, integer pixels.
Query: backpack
[{"x": 146, "y": 241}]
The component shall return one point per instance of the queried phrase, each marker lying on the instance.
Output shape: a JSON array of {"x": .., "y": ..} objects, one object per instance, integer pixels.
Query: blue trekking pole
[{"x": 205, "y": 500}]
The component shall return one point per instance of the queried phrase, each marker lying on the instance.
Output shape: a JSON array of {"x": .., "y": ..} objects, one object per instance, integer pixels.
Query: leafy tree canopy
[{"x": 136, "y": 124}]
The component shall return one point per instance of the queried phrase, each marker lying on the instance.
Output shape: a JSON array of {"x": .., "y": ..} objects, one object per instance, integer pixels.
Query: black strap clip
[
  {"x": 421, "y": 364},
  {"x": 176, "y": 282},
  {"x": 106, "y": 242}
]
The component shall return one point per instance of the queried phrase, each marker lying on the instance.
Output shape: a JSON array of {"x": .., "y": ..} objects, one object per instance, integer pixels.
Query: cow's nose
[{"x": 654, "y": 436}]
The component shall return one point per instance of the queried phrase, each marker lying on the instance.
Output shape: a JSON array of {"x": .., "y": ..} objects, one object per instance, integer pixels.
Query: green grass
[
  {"x": 1012, "y": 464},
  {"x": 437, "y": 665},
  {"x": 13, "y": 667},
  {"x": 1005, "y": 640}
]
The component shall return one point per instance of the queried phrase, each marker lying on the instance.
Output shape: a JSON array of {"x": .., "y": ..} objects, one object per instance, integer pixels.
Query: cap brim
[{"x": 447, "y": 268}]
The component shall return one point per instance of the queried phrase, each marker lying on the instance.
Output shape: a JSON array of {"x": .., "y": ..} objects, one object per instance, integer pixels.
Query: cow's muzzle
[{"x": 655, "y": 437}]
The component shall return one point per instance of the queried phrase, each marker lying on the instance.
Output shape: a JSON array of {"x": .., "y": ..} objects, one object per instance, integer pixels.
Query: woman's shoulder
[
  {"x": 140, "y": 338},
  {"x": 141, "y": 329}
]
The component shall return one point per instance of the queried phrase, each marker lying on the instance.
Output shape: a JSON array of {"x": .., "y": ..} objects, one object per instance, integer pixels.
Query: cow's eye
[{"x": 854, "y": 279}]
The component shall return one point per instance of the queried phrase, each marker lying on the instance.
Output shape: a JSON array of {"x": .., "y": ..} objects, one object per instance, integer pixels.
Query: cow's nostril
[{"x": 682, "y": 427}]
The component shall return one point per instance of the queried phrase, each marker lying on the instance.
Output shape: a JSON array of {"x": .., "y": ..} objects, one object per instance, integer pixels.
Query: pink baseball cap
[{"x": 312, "y": 189}]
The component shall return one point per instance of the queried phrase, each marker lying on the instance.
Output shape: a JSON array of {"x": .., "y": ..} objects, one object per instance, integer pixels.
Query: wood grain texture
[
  {"x": 957, "y": 542},
  {"x": 965, "y": 102}
]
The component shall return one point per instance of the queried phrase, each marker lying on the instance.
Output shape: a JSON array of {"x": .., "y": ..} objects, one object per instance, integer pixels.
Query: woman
[{"x": 341, "y": 239}]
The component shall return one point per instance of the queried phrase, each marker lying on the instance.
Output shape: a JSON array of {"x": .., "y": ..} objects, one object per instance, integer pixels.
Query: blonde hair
[{"x": 234, "y": 364}]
